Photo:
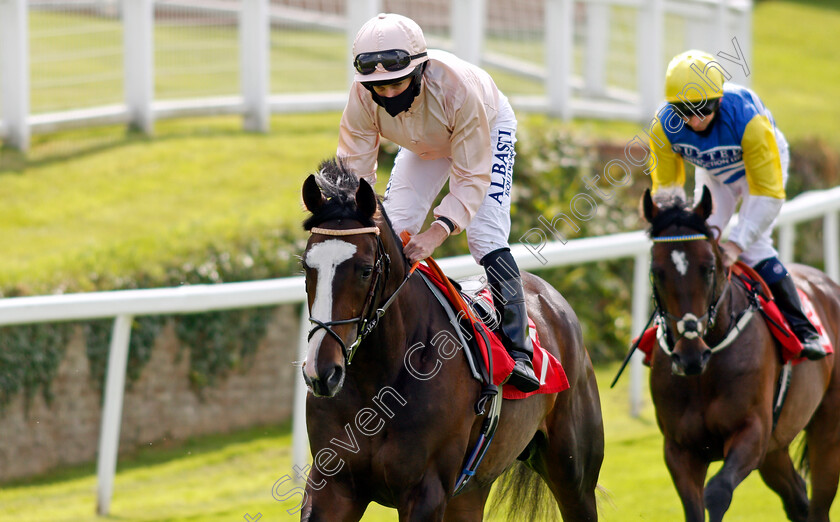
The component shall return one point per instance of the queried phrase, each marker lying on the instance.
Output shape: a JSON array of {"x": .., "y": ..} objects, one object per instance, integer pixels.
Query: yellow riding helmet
[{"x": 691, "y": 67}]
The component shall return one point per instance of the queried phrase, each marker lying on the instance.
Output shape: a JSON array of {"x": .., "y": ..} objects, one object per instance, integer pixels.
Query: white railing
[
  {"x": 571, "y": 90},
  {"x": 123, "y": 305}
]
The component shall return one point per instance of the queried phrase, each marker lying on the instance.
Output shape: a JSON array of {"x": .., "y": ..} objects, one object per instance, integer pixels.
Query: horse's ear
[
  {"x": 704, "y": 208},
  {"x": 365, "y": 199},
  {"x": 312, "y": 197},
  {"x": 649, "y": 208}
]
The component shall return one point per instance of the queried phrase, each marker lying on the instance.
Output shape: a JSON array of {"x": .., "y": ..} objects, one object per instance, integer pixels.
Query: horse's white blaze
[
  {"x": 680, "y": 261},
  {"x": 324, "y": 258}
]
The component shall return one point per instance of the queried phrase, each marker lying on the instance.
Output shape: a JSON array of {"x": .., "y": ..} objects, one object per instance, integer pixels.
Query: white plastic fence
[
  {"x": 137, "y": 61},
  {"x": 126, "y": 304}
]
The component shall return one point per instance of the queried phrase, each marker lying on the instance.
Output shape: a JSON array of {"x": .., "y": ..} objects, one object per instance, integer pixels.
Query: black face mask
[
  {"x": 396, "y": 104},
  {"x": 401, "y": 102}
]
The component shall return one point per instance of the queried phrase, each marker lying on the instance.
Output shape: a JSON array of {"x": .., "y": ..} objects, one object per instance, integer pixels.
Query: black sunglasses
[
  {"x": 688, "y": 109},
  {"x": 391, "y": 60}
]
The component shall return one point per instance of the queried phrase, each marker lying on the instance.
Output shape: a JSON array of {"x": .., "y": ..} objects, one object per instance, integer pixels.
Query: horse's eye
[{"x": 366, "y": 272}]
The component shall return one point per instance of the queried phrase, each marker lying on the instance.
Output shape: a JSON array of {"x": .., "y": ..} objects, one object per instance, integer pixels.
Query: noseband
[{"x": 370, "y": 315}]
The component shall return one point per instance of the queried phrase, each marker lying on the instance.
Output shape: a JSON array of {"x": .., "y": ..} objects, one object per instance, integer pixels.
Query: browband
[{"x": 346, "y": 232}]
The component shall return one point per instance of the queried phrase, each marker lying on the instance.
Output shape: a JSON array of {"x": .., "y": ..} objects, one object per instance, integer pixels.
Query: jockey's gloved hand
[
  {"x": 424, "y": 244},
  {"x": 730, "y": 252}
]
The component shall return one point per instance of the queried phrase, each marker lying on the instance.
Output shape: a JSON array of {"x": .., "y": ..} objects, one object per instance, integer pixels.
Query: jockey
[
  {"x": 451, "y": 123},
  {"x": 739, "y": 154}
]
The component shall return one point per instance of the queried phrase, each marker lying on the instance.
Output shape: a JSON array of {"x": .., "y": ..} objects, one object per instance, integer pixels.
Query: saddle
[
  {"x": 472, "y": 303},
  {"x": 489, "y": 362},
  {"x": 790, "y": 347}
]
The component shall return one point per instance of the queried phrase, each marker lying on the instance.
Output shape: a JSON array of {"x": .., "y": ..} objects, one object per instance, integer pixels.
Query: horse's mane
[
  {"x": 338, "y": 185},
  {"x": 673, "y": 212}
]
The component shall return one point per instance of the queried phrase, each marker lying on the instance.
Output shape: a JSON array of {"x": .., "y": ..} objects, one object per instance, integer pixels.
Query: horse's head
[
  {"x": 687, "y": 277},
  {"x": 346, "y": 267}
]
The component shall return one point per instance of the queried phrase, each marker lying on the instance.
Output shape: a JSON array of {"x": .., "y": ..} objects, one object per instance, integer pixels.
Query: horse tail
[
  {"x": 803, "y": 464},
  {"x": 523, "y": 495}
]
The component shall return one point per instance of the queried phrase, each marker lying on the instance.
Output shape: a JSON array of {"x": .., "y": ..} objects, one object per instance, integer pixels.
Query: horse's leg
[
  {"x": 467, "y": 507},
  {"x": 779, "y": 474},
  {"x": 744, "y": 455},
  {"x": 688, "y": 471},
  {"x": 330, "y": 504},
  {"x": 823, "y": 436},
  {"x": 569, "y": 460},
  {"x": 426, "y": 502},
  {"x": 571, "y": 471}
]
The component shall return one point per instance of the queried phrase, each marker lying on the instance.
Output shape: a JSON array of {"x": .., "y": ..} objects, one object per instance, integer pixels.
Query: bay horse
[
  {"x": 718, "y": 405},
  {"x": 396, "y": 426}
]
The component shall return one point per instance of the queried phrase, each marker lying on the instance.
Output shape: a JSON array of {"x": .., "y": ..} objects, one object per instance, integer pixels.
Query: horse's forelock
[
  {"x": 338, "y": 184},
  {"x": 673, "y": 212},
  {"x": 669, "y": 199},
  {"x": 336, "y": 179}
]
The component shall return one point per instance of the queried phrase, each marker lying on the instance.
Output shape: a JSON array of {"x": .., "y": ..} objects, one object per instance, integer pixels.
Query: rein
[
  {"x": 689, "y": 325},
  {"x": 370, "y": 315}
]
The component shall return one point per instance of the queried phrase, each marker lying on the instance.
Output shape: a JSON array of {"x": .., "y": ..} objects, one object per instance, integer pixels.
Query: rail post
[
  {"x": 640, "y": 307},
  {"x": 109, "y": 435},
  {"x": 14, "y": 79},
  {"x": 138, "y": 65},
  {"x": 559, "y": 42},
  {"x": 831, "y": 248},
  {"x": 468, "y": 28},
  {"x": 358, "y": 12},
  {"x": 254, "y": 26},
  {"x": 649, "y": 55},
  {"x": 300, "y": 442}
]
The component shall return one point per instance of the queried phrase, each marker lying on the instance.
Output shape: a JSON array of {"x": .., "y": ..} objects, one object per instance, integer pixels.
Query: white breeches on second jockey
[
  {"x": 415, "y": 183},
  {"x": 726, "y": 196}
]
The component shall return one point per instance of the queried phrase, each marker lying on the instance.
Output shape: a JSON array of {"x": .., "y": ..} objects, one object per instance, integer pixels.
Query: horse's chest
[{"x": 696, "y": 422}]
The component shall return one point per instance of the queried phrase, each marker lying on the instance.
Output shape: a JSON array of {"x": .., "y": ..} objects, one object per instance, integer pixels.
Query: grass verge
[{"x": 223, "y": 477}]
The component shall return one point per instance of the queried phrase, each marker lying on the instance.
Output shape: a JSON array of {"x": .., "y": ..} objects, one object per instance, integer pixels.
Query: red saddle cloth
[
  {"x": 547, "y": 367},
  {"x": 790, "y": 346}
]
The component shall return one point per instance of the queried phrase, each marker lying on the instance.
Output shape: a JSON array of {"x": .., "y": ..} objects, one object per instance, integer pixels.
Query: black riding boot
[
  {"x": 509, "y": 298},
  {"x": 787, "y": 299}
]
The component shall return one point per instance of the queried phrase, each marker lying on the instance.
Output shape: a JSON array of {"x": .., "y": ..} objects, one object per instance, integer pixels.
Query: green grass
[
  {"x": 98, "y": 200},
  {"x": 222, "y": 477},
  {"x": 111, "y": 202},
  {"x": 101, "y": 200},
  {"x": 77, "y": 60},
  {"x": 795, "y": 66}
]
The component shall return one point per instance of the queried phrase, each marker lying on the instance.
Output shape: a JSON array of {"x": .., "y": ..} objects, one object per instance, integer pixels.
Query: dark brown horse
[
  {"x": 396, "y": 426},
  {"x": 715, "y": 401}
]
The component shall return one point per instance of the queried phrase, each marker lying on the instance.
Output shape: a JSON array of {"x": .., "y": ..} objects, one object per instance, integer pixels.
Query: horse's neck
[
  {"x": 406, "y": 323},
  {"x": 733, "y": 303}
]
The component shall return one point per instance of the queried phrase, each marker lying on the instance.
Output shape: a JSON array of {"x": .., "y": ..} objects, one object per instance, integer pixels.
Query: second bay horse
[{"x": 714, "y": 401}]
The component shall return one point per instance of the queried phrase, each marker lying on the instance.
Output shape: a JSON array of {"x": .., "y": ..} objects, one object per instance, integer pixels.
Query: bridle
[
  {"x": 370, "y": 315},
  {"x": 689, "y": 325}
]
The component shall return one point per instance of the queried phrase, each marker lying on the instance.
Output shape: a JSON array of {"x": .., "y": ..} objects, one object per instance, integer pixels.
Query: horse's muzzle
[
  {"x": 690, "y": 358},
  {"x": 326, "y": 383}
]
